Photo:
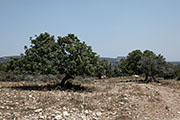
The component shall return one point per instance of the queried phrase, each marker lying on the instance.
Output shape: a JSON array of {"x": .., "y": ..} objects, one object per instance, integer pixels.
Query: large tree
[{"x": 68, "y": 55}]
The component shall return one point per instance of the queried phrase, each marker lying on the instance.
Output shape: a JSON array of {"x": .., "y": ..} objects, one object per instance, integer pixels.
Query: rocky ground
[{"x": 108, "y": 99}]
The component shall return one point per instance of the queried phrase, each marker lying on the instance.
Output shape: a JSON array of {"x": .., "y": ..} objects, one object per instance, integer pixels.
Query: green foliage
[
  {"x": 2, "y": 67},
  {"x": 101, "y": 68},
  {"x": 130, "y": 64},
  {"x": 67, "y": 56},
  {"x": 77, "y": 58},
  {"x": 107, "y": 69},
  {"x": 177, "y": 70},
  {"x": 40, "y": 58},
  {"x": 147, "y": 62},
  {"x": 169, "y": 72},
  {"x": 152, "y": 65}
]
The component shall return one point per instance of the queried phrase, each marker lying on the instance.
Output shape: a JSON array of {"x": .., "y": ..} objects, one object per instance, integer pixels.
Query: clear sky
[{"x": 112, "y": 27}]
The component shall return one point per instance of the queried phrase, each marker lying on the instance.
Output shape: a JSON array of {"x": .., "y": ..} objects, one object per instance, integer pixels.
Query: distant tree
[
  {"x": 152, "y": 65},
  {"x": 177, "y": 70},
  {"x": 108, "y": 69},
  {"x": 170, "y": 71},
  {"x": 130, "y": 64},
  {"x": 13, "y": 65},
  {"x": 174, "y": 72},
  {"x": 147, "y": 63},
  {"x": 117, "y": 71},
  {"x": 2, "y": 67},
  {"x": 101, "y": 68}
]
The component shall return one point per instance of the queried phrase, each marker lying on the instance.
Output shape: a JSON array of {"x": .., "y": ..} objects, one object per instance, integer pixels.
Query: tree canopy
[
  {"x": 130, "y": 64},
  {"x": 147, "y": 63},
  {"x": 68, "y": 55}
]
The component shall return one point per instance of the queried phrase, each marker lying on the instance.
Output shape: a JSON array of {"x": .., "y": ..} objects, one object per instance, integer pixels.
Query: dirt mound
[{"x": 111, "y": 99}]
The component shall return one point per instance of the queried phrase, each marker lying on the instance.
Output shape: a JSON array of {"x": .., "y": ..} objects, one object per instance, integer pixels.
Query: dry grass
[{"x": 115, "y": 98}]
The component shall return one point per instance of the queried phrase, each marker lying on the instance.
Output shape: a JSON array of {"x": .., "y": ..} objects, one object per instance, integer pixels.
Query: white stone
[
  {"x": 86, "y": 112},
  {"x": 98, "y": 114},
  {"x": 58, "y": 117},
  {"x": 65, "y": 114},
  {"x": 125, "y": 98},
  {"x": 83, "y": 117},
  {"x": 145, "y": 118},
  {"x": 42, "y": 117},
  {"x": 38, "y": 110},
  {"x": 2, "y": 107},
  {"x": 57, "y": 112},
  {"x": 94, "y": 118},
  {"x": 122, "y": 103},
  {"x": 64, "y": 108}
]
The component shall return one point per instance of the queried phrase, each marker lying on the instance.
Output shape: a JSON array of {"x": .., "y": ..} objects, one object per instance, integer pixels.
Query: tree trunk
[
  {"x": 146, "y": 78},
  {"x": 154, "y": 79},
  {"x": 63, "y": 82}
]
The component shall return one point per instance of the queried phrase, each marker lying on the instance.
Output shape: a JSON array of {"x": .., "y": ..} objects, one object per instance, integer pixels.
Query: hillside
[
  {"x": 108, "y": 99},
  {"x": 7, "y": 58},
  {"x": 114, "y": 61},
  {"x": 117, "y": 60}
]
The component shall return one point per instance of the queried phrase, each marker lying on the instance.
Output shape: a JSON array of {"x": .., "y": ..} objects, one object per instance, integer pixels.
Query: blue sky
[{"x": 112, "y": 27}]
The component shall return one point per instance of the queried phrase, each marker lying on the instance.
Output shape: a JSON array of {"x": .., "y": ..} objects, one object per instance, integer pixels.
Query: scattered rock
[
  {"x": 38, "y": 110},
  {"x": 2, "y": 107},
  {"x": 65, "y": 114},
  {"x": 64, "y": 108},
  {"x": 83, "y": 117},
  {"x": 86, "y": 112},
  {"x": 42, "y": 117},
  {"x": 146, "y": 118},
  {"x": 122, "y": 103},
  {"x": 125, "y": 98},
  {"x": 62, "y": 105},
  {"x": 98, "y": 114},
  {"x": 57, "y": 112},
  {"x": 58, "y": 117}
]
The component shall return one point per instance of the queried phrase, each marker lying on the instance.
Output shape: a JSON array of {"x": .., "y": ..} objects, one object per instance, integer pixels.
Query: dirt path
[{"x": 163, "y": 103}]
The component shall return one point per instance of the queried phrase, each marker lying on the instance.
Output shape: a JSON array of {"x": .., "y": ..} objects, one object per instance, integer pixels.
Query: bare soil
[{"x": 107, "y": 99}]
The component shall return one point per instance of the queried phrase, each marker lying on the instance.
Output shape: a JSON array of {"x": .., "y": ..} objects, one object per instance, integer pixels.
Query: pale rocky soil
[{"x": 108, "y": 99}]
